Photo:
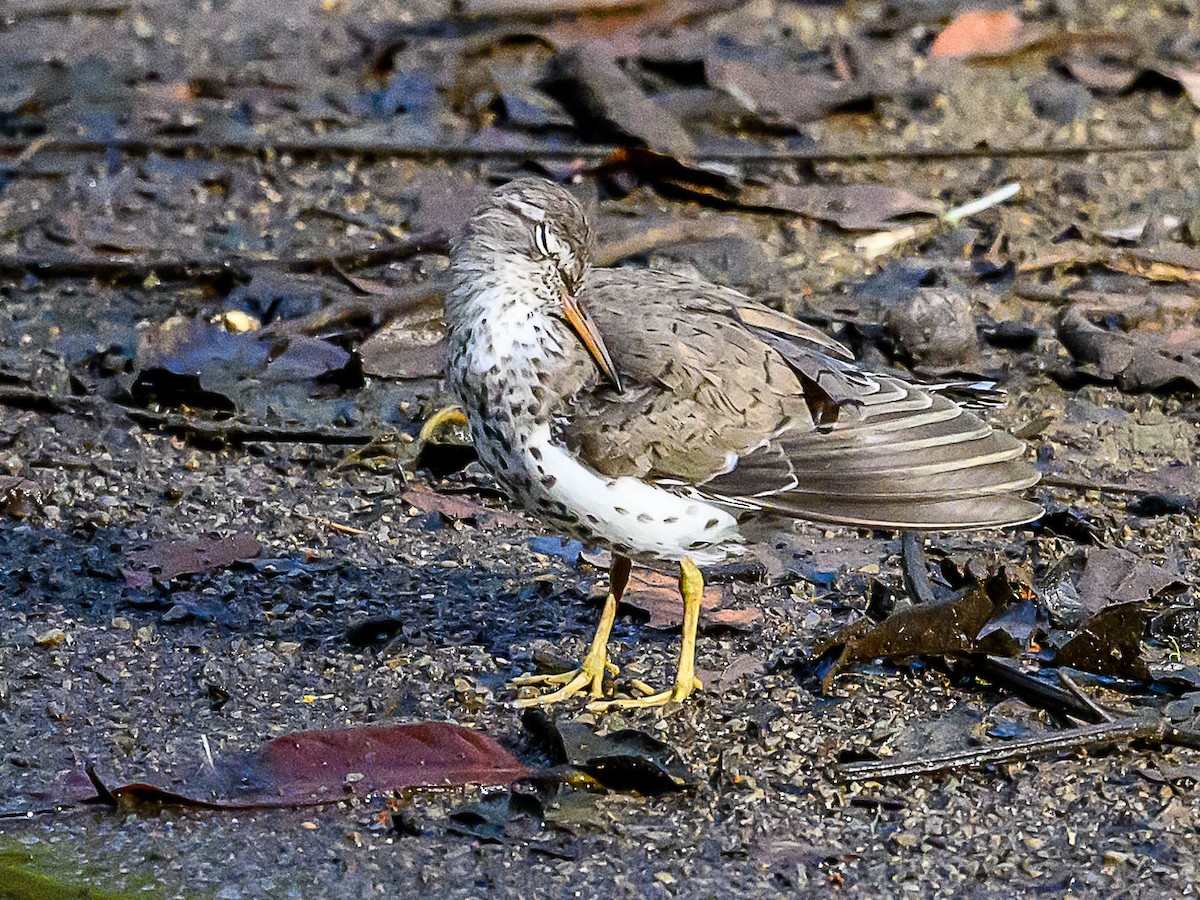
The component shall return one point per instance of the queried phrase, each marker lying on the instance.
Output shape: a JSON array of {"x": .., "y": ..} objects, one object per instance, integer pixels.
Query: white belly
[{"x": 626, "y": 512}]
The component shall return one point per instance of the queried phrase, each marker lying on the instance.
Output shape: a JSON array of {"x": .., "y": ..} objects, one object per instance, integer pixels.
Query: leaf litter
[{"x": 346, "y": 97}]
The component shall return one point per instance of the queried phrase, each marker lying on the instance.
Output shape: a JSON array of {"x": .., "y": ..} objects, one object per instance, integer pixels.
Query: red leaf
[
  {"x": 456, "y": 506},
  {"x": 314, "y": 767},
  {"x": 167, "y": 560},
  {"x": 656, "y": 595}
]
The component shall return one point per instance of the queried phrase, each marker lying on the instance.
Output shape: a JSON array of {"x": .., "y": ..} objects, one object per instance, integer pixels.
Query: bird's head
[{"x": 531, "y": 240}]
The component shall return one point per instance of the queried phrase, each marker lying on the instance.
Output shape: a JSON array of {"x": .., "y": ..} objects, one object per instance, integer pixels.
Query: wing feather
[{"x": 748, "y": 407}]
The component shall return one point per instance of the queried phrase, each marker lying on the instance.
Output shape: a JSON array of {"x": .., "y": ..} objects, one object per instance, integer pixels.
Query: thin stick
[
  {"x": 1036, "y": 692},
  {"x": 1069, "y": 683},
  {"x": 177, "y": 267},
  {"x": 1091, "y": 737},
  {"x": 370, "y": 145},
  {"x": 1103, "y": 487}
]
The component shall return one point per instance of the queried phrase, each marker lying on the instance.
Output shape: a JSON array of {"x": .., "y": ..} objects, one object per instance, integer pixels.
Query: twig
[
  {"x": 996, "y": 197},
  {"x": 1089, "y": 737},
  {"x": 375, "y": 309},
  {"x": 680, "y": 231},
  {"x": 1039, "y": 693},
  {"x": 1103, "y": 487},
  {"x": 170, "y": 268},
  {"x": 224, "y": 431},
  {"x": 63, "y": 10},
  {"x": 381, "y": 146},
  {"x": 1069, "y": 683},
  {"x": 881, "y": 242},
  {"x": 232, "y": 432}
]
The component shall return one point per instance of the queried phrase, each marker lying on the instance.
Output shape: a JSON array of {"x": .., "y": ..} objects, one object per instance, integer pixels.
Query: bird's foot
[
  {"x": 588, "y": 677},
  {"x": 446, "y": 417},
  {"x": 681, "y": 691}
]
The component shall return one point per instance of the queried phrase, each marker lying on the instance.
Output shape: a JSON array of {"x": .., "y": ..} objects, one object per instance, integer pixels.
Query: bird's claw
[
  {"x": 677, "y": 694},
  {"x": 589, "y": 676}
]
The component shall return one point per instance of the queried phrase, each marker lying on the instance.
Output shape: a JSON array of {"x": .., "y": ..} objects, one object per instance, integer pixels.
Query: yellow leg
[
  {"x": 446, "y": 417},
  {"x": 691, "y": 587},
  {"x": 590, "y": 674}
]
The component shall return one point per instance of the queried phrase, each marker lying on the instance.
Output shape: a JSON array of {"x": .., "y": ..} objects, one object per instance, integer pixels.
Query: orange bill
[{"x": 589, "y": 335}]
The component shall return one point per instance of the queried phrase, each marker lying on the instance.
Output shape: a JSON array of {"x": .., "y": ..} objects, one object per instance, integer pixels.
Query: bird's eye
[{"x": 542, "y": 238}]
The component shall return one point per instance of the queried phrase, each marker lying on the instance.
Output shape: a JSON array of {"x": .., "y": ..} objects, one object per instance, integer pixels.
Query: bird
[{"x": 670, "y": 420}]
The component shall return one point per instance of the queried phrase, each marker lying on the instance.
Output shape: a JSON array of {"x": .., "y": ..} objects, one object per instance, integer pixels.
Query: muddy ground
[{"x": 142, "y": 181}]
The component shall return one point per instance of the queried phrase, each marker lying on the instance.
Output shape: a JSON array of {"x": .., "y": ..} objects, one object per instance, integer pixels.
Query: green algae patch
[{"x": 26, "y": 875}]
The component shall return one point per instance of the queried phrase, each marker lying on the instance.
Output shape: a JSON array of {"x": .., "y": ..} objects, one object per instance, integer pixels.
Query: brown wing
[{"x": 755, "y": 409}]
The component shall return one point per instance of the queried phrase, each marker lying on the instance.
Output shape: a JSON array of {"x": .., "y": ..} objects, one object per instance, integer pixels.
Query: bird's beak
[{"x": 589, "y": 335}]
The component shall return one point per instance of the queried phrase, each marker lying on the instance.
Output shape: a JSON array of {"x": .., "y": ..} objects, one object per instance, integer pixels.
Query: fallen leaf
[
  {"x": 980, "y": 33},
  {"x": 607, "y": 103},
  {"x": 193, "y": 362},
  {"x": 304, "y": 358},
  {"x": 1114, "y": 576},
  {"x": 641, "y": 165},
  {"x": 957, "y": 626},
  {"x": 742, "y": 667},
  {"x": 1110, "y": 643},
  {"x": 656, "y": 596},
  {"x": 315, "y": 767},
  {"x": 625, "y": 760},
  {"x": 164, "y": 561},
  {"x": 499, "y": 817},
  {"x": 406, "y": 348},
  {"x": 781, "y": 97},
  {"x": 457, "y": 506}
]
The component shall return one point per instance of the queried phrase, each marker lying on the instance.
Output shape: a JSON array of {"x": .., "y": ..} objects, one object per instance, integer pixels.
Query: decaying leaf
[
  {"x": 1110, "y": 643},
  {"x": 957, "y": 626},
  {"x": 779, "y": 96},
  {"x": 606, "y": 102},
  {"x": 499, "y": 817},
  {"x": 406, "y": 349},
  {"x": 167, "y": 560},
  {"x": 624, "y": 760},
  {"x": 316, "y": 767},
  {"x": 196, "y": 363},
  {"x": 854, "y": 207}
]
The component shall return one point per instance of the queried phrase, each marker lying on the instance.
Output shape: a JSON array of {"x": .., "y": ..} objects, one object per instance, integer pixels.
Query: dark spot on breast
[
  {"x": 536, "y": 453},
  {"x": 592, "y": 519},
  {"x": 620, "y": 511},
  {"x": 670, "y": 520},
  {"x": 644, "y": 517},
  {"x": 712, "y": 523},
  {"x": 548, "y": 481}
]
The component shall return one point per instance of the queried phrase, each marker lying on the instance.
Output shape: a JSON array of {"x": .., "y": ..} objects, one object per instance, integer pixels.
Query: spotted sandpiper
[{"x": 661, "y": 416}]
